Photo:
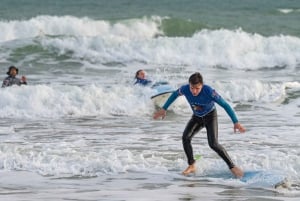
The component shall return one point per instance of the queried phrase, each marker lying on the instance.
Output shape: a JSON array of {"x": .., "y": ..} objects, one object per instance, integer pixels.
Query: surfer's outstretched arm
[{"x": 231, "y": 113}]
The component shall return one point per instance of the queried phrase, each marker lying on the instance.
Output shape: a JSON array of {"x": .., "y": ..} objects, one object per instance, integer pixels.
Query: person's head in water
[
  {"x": 196, "y": 83},
  {"x": 12, "y": 71},
  {"x": 12, "y": 79},
  {"x": 140, "y": 74},
  {"x": 140, "y": 77}
]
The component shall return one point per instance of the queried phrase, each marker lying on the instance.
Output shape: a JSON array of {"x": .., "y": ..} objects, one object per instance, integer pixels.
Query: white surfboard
[
  {"x": 160, "y": 99},
  {"x": 162, "y": 92}
]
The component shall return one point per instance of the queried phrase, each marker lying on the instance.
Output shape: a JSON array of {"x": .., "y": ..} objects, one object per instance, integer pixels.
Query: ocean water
[{"x": 80, "y": 129}]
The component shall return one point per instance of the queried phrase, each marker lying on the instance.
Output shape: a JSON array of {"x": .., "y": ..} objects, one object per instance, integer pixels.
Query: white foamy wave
[
  {"x": 293, "y": 85},
  {"x": 73, "y": 26},
  {"x": 77, "y": 158},
  {"x": 126, "y": 42},
  {"x": 225, "y": 48},
  {"x": 239, "y": 49},
  {"x": 288, "y": 10},
  {"x": 55, "y": 101},
  {"x": 58, "y": 101},
  {"x": 255, "y": 91},
  {"x": 72, "y": 159}
]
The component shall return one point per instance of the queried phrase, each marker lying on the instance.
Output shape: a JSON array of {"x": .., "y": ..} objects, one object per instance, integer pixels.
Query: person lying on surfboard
[
  {"x": 140, "y": 77},
  {"x": 12, "y": 79},
  {"x": 202, "y": 99}
]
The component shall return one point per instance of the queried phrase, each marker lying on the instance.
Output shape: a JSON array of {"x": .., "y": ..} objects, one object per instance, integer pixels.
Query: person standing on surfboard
[
  {"x": 12, "y": 79},
  {"x": 202, "y": 99},
  {"x": 140, "y": 77}
]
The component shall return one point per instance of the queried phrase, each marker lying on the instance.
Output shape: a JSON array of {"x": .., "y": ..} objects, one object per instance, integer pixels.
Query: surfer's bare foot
[
  {"x": 189, "y": 169},
  {"x": 237, "y": 172}
]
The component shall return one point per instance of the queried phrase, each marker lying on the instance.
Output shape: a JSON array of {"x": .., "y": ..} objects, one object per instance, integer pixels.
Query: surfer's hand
[
  {"x": 23, "y": 78},
  {"x": 239, "y": 127},
  {"x": 160, "y": 113}
]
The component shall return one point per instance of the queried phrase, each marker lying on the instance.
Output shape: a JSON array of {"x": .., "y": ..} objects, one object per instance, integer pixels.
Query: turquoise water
[{"x": 266, "y": 17}]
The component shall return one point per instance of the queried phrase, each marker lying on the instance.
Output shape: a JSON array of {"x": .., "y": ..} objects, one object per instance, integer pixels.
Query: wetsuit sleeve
[
  {"x": 5, "y": 83},
  {"x": 171, "y": 99},
  {"x": 228, "y": 109}
]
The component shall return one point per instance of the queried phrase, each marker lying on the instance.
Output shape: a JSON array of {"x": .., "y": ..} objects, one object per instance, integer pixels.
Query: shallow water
[{"x": 80, "y": 129}]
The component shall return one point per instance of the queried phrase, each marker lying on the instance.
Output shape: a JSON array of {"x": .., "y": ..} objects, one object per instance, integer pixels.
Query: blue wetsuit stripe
[
  {"x": 228, "y": 109},
  {"x": 170, "y": 100}
]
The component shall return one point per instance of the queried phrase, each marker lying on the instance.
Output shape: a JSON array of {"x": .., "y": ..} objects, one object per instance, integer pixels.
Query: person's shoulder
[
  {"x": 147, "y": 81},
  {"x": 185, "y": 86},
  {"x": 6, "y": 78},
  {"x": 143, "y": 82},
  {"x": 184, "y": 89},
  {"x": 211, "y": 92},
  {"x": 207, "y": 87}
]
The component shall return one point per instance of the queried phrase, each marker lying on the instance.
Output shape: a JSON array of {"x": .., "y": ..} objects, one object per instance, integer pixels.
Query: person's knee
[
  {"x": 215, "y": 146},
  {"x": 186, "y": 139}
]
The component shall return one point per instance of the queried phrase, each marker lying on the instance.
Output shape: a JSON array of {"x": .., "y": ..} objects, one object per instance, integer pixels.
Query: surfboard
[
  {"x": 257, "y": 178},
  {"x": 260, "y": 178},
  {"x": 160, "y": 99},
  {"x": 162, "y": 92}
]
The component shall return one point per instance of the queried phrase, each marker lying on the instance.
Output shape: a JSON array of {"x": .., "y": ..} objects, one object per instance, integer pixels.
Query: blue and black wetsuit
[
  {"x": 143, "y": 82},
  {"x": 204, "y": 115}
]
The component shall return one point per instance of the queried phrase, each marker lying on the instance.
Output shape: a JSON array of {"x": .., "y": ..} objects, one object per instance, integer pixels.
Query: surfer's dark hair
[
  {"x": 196, "y": 78},
  {"x": 11, "y": 67},
  {"x": 137, "y": 73}
]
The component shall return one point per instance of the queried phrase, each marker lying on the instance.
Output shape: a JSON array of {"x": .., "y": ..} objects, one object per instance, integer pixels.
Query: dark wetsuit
[
  {"x": 204, "y": 115},
  {"x": 10, "y": 80}
]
